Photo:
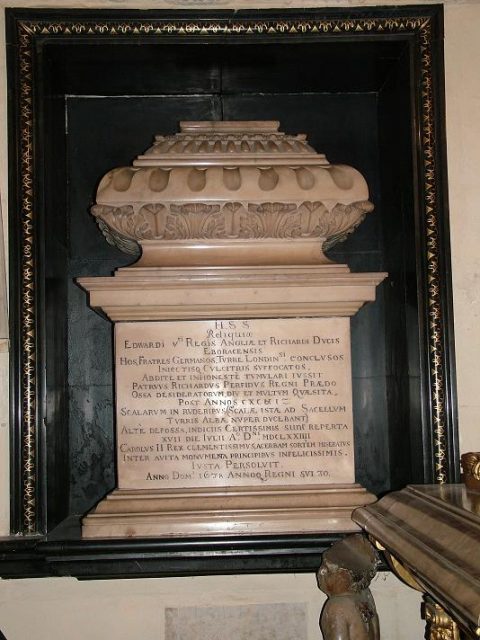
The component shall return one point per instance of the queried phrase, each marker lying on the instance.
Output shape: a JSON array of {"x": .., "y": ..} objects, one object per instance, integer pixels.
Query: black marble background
[{"x": 116, "y": 99}]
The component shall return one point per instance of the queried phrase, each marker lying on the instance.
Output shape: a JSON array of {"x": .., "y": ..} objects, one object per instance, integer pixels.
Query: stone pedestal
[
  {"x": 232, "y": 336},
  {"x": 239, "y": 421}
]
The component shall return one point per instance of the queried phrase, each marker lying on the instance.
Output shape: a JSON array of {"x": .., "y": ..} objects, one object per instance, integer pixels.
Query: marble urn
[
  {"x": 224, "y": 193},
  {"x": 233, "y": 385}
]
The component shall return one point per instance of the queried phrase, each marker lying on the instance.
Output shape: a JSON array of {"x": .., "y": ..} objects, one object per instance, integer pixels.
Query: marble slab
[
  {"x": 230, "y": 403},
  {"x": 282, "y": 621}
]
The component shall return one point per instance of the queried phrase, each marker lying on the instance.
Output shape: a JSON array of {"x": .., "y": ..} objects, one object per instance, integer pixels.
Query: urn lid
[
  {"x": 230, "y": 183},
  {"x": 241, "y": 142}
]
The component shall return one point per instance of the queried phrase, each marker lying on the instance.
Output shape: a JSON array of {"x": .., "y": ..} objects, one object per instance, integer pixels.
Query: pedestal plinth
[{"x": 233, "y": 400}]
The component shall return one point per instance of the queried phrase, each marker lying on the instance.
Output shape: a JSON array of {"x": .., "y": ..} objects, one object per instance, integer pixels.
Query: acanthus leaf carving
[
  {"x": 272, "y": 220},
  {"x": 334, "y": 224},
  {"x": 117, "y": 226},
  {"x": 118, "y": 240},
  {"x": 124, "y": 226},
  {"x": 144, "y": 224},
  {"x": 194, "y": 221},
  {"x": 346, "y": 219},
  {"x": 232, "y": 215},
  {"x": 153, "y": 221}
]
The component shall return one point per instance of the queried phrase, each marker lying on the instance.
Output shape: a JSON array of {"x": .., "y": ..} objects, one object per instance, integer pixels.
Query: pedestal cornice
[
  {"x": 226, "y": 511},
  {"x": 231, "y": 292}
]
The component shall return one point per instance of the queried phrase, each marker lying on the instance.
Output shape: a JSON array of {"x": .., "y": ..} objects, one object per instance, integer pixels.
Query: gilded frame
[{"x": 421, "y": 24}]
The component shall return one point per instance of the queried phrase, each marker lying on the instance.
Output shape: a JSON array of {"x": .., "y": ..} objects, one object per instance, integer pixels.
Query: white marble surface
[
  {"x": 271, "y": 397},
  {"x": 282, "y": 621}
]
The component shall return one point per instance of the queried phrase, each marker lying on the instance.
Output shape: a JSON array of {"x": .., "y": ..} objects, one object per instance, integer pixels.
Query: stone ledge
[
  {"x": 158, "y": 294},
  {"x": 282, "y": 510}
]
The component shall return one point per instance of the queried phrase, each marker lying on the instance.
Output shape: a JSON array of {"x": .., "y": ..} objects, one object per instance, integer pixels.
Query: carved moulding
[
  {"x": 230, "y": 184},
  {"x": 430, "y": 535},
  {"x": 439, "y": 624}
]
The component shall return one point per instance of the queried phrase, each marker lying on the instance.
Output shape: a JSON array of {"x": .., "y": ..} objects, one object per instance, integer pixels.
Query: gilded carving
[
  {"x": 433, "y": 299},
  {"x": 28, "y": 292},
  {"x": 471, "y": 470},
  {"x": 440, "y": 625}
]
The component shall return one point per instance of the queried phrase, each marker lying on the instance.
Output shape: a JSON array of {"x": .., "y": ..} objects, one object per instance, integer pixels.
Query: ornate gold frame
[{"x": 28, "y": 31}]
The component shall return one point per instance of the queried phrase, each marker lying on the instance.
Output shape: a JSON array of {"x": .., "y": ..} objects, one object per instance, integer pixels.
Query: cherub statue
[{"x": 345, "y": 574}]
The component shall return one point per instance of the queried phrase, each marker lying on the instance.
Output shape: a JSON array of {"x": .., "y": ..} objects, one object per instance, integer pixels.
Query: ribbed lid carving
[{"x": 242, "y": 140}]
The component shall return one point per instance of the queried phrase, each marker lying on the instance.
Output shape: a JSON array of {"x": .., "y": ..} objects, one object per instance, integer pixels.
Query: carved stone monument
[{"x": 232, "y": 335}]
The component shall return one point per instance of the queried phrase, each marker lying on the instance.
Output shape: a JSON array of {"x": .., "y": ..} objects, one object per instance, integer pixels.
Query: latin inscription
[{"x": 234, "y": 403}]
